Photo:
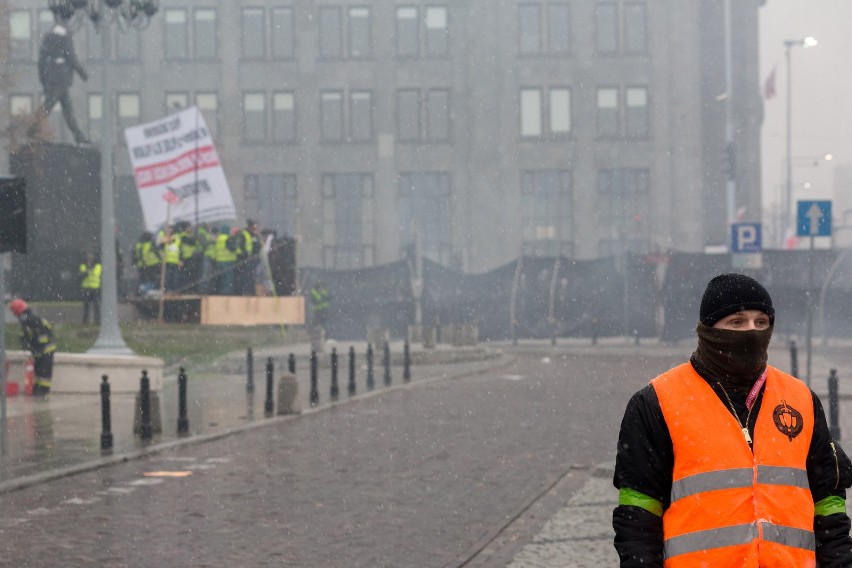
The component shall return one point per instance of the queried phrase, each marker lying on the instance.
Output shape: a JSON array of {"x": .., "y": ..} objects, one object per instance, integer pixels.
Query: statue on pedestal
[{"x": 57, "y": 64}]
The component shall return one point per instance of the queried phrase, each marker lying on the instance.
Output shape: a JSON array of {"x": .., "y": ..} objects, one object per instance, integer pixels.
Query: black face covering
[{"x": 735, "y": 358}]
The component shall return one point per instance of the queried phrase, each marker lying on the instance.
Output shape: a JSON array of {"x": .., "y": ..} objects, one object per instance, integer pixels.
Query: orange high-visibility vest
[{"x": 731, "y": 506}]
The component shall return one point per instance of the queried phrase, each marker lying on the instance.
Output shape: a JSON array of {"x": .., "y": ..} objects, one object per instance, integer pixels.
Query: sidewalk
[{"x": 61, "y": 435}]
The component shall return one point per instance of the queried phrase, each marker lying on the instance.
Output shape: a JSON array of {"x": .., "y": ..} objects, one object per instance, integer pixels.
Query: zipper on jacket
[{"x": 836, "y": 465}]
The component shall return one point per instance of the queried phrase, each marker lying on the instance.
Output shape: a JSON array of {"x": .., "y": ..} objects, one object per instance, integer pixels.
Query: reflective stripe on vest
[
  {"x": 739, "y": 534},
  {"x": 732, "y": 504},
  {"x": 743, "y": 477}
]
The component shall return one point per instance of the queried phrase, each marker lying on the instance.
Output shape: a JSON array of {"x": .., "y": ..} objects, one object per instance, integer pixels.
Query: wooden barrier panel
[
  {"x": 252, "y": 310},
  {"x": 226, "y": 310}
]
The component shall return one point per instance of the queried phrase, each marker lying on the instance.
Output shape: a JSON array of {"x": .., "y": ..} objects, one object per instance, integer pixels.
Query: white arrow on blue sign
[{"x": 813, "y": 219}]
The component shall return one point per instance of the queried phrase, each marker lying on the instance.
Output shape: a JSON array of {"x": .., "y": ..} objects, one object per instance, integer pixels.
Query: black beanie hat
[{"x": 730, "y": 293}]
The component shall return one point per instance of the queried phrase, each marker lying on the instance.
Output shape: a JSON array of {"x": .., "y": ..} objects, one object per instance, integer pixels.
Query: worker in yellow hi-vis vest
[{"x": 90, "y": 285}]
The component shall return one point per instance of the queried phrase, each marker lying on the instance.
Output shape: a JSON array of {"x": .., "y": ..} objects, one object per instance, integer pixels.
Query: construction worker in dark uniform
[
  {"x": 90, "y": 284},
  {"x": 225, "y": 259},
  {"x": 206, "y": 253},
  {"x": 146, "y": 259},
  {"x": 247, "y": 253},
  {"x": 37, "y": 337},
  {"x": 188, "y": 247},
  {"x": 320, "y": 302}
]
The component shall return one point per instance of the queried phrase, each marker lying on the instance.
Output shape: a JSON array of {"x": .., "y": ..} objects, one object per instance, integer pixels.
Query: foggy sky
[{"x": 822, "y": 97}]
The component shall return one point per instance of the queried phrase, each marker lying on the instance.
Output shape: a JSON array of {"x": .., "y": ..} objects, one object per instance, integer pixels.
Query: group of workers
[{"x": 204, "y": 260}]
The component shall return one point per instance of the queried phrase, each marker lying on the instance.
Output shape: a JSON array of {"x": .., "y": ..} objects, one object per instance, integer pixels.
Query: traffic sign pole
[{"x": 810, "y": 296}]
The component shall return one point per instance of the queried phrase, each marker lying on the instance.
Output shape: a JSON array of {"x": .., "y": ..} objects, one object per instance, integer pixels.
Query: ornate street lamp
[{"x": 104, "y": 14}]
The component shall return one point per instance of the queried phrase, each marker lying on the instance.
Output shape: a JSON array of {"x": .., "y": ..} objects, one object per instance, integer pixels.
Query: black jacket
[
  {"x": 645, "y": 461},
  {"x": 36, "y": 334}
]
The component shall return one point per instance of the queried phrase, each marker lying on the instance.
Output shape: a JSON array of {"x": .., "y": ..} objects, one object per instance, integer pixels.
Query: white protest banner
[{"x": 177, "y": 154}]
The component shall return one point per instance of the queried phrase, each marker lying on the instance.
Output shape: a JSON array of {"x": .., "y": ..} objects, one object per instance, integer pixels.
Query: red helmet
[{"x": 17, "y": 306}]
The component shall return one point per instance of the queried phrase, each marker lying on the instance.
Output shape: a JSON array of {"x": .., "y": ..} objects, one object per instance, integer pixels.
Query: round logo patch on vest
[{"x": 788, "y": 420}]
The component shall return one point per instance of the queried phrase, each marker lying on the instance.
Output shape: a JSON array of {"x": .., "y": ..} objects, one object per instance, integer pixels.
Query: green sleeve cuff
[
  {"x": 830, "y": 506},
  {"x": 627, "y": 496}
]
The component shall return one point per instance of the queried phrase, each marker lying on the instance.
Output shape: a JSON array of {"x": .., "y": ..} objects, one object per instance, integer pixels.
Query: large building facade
[{"x": 482, "y": 128}]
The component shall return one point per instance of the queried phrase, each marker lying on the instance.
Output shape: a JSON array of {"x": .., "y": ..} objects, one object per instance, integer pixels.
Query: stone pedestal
[{"x": 81, "y": 372}]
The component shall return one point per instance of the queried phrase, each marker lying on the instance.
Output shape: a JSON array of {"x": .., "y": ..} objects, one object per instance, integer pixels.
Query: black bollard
[
  {"x": 833, "y": 406},
  {"x": 291, "y": 364},
  {"x": 406, "y": 362},
  {"x": 351, "y": 388},
  {"x": 268, "y": 407},
  {"x": 314, "y": 387},
  {"x": 794, "y": 360},
  {"x": 145, "y": 431},
  {"x": 183, "y": 421},
  {"x": 371, "y": 382},
  {"x": 335, "y": 390},
  {"x": 249, "y": 371},
  {"x": 106, "y": 418},
  {"x": 386, "y": 362}
]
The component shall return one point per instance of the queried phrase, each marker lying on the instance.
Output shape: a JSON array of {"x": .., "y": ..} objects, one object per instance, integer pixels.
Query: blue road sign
[
  {"x": 745, "y": 238},
  {"x": 813, "y": 219}
]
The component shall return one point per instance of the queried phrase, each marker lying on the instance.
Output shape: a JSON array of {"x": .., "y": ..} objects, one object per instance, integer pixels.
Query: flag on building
[{"x": 769, "y": 91}]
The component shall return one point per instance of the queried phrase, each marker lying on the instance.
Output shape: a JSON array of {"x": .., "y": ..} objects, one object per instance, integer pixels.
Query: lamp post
[
  {"x": 105, "y": 14},
  {"x": 789, "y": 44}
]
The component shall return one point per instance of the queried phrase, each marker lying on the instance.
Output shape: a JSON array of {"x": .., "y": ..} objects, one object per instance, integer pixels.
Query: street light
[
  {"x": 105, "y": 14},
  {"x": 789, "y": 44}
]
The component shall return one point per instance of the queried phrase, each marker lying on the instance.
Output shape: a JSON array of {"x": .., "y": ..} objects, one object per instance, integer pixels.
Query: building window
[
  {"x": 284, "y": 117},
  {"x": 558, "y": 28},
  {"x": 95, "y": 108},
  {"x": 129, "y": 113},
  {"x": 636, "y": 111},
  {"x": 359, "y": 33},
  {"x": 254, "y": 117},
  {"x": 128, "y": 45},
  {"x": 21, "y": 35},
  {"x": 407, "y": 32},
  {"x": 531, "y": 113},
  {"x": 348, "y": 223},
  {"x": 408, "y": 114},
  {"x": 437, "y": 31},
  {"x": 282, "y": 33},
  {"x": 46, "y": 22},
  {"x": 176, "y": 101},
  {"x": 606, "y": 28},
  {"x": 634, "y": 27},
  {"x": 208, "y": 104},
  {"x": 20, "y": 105},
  {"x": 437, "y": 114},
  {"x": 560, "y": 111},
  {"x": 271, "y": 199},
  {"x": 546, "y": 212},
  {"x": 253, "y": 36},
  {"x": 204, "y": 34},
  {"x": 94, "y": 44},
  {"x": 331, "y": 116},
  {"x": 623, "y": 201},
  {"x": 361, "y": 115},
  {"x": 431, "y": 25},
  {"x": 607, "y": 115},
  {"x": 330, "y": 33},
  {"x": 425, "y": 214},
  {"x": 529, "y": 29},
  {"x": 176, "y": 34}
]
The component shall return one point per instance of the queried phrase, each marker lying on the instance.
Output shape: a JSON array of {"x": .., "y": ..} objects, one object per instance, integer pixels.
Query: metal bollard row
[{"x": 146, "y": 430}]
